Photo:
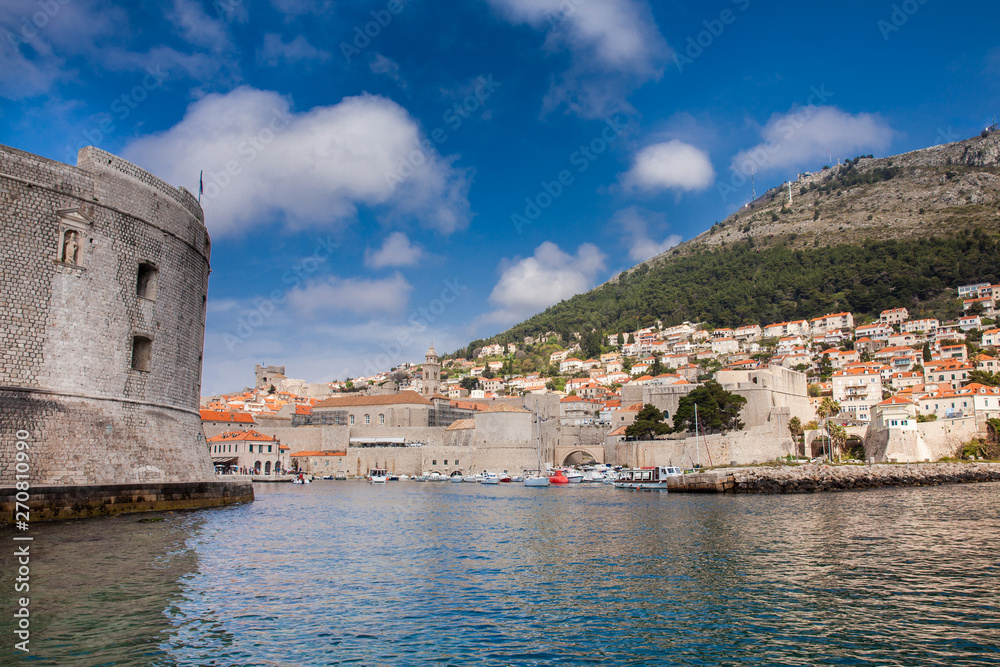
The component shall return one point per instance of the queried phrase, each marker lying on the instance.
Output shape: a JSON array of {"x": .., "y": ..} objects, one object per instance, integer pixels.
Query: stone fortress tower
[
  {"x": 103, "y": 287},
  {"x": 431, "y": 373}
]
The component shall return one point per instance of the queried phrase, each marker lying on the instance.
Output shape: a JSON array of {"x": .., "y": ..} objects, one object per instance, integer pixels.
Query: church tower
[{"x": 431, "y": 373}]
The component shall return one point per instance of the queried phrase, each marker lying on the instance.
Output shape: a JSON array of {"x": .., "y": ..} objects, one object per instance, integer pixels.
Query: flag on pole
[{"x": 201, "y": 184}]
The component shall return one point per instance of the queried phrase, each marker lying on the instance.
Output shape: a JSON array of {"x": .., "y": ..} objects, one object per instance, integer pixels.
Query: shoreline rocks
[{"x": 811, "y": 478}]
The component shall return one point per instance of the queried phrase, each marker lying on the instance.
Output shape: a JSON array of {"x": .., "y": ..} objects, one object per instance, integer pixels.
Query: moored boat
[
  {"x": 378, "y": 476},
  {"x": 558, "y": 477},
  {"x": 650, "y": 478},
  {"x": 535, "y": 478},
  {"x": 490, "y": 478}
]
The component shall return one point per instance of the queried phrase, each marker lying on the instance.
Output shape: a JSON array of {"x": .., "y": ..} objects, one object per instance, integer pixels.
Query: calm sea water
[{"x": 464, "y": 574}]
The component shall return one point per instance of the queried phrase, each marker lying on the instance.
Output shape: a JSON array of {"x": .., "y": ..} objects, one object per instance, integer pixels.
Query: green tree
[
  {"x": 825, "y": 367},
  {"x": 718, "y": 410},
  {"x": 927, "y": 352},
  {"x": 469, "y": 383},
  {"x": 795, "y": 427},
  {"x": 621, "y": 340},
  {"x": 656, "y": 368},
  {"x": 631, "y": 339},
  {"x": 985, "y": 377},
  {"x": 648, "y": 424}
]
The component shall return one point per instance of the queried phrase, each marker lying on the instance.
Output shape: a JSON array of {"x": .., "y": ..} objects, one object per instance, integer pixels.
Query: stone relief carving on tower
[{"x": 74, "y": 224}]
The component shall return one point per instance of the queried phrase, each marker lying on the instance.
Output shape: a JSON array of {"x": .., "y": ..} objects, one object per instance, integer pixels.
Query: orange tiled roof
[
  {"x": 231, "y": 417},
  {"x": 250, "y": 434}
]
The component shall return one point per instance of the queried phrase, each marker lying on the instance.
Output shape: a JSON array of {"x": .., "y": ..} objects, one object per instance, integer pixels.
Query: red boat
[{"x": 558, "y": 478}]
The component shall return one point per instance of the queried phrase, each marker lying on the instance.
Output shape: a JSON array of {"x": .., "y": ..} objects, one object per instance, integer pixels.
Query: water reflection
[
  {"x": 99, "y": 588},
  {"x": 466, "y": 574}
]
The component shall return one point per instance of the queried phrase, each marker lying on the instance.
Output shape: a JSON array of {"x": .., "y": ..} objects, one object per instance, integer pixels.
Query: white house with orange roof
[
  {"x": 639, "y": 368},
  {"x": 895, "y": 412},
  {"x": 249, "y": 452},
  {"x": 926, "y": 326},
  {"x": 748, "y": 332},
  {"x": 725, "y": 345},
  {"x": 970, "y": 322},
  {"x": 895, "y": 316},
  {"x": 557, "y": 357},
  {"x": 976, "y": 400},
  {"x": 857, "y": 390},
  {"x": 955, "y": 373},
  {"x": 902, "y": 339},
  {"x": 904, "y": 379},
  {"x": 570, "y": 365},
  {"x": 948, "y": 352},
  {"x": 614, "y": 367},
  {"x": 875, "y": 331},
  {"x": 986, "y": 363},
  {"x": 831, "y": 322}
]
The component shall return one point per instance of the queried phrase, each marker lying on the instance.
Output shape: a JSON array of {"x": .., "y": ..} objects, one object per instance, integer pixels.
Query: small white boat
[
  {"x": 457, "y": 479},
  {"x": 490, "y": 478},
  {"x": 574, "y": 476},
  {"x": 301, "y": 479},
  {"x": 535, "y": 478},
  {"x": 378, "y": 476},
  {"x": 472, "y": 478},
  {"x": 652, "y": 478}
]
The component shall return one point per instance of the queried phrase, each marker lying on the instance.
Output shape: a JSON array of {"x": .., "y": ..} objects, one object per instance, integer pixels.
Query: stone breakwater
[
  {"x": 811, "y": 478},
  {"x": 821, "y": 477}
]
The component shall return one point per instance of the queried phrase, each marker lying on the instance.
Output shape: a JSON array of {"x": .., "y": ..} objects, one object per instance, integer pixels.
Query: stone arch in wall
[
  {"x": 579, "y": 457},
  {"x": 820, "y": 446}
]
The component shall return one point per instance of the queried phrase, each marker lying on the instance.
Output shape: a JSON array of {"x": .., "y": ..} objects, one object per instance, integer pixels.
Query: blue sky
[{"x": 381, "y": 175}]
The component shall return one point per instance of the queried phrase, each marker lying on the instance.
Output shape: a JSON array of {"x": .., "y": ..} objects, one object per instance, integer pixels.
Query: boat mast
[{"x": 697, "y": 452}]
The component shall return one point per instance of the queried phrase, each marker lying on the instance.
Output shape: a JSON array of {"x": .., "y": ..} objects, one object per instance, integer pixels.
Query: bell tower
[{"x": 431, "y": 373}]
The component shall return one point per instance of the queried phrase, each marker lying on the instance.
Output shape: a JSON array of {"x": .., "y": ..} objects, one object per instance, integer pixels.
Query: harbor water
[{"x": 410, "y": 573}]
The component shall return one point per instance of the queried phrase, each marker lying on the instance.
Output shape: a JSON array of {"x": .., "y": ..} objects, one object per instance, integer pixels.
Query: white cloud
[
  {"x": 274, "y": 50},
  {"x": 383, "y": 65},
  {"x": 397, "y": 250},
  {"x": 35, "y": 42},
  {"x": 635, "y": 224},
  {"x": 807, "y": 135},
  {"x": 615, "y": 44},
  {"x": 197, "y": 27},
  {"x": 332, "y": 294},
  {"x": 293, "y": 9},
  {"x": 530, "y": 285},
  {"x": 670, "y": 165},
  {"x": 312, "y": 168}
]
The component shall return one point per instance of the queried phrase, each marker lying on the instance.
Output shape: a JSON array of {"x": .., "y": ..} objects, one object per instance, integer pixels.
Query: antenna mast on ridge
[{"x": 753, "y": 187}]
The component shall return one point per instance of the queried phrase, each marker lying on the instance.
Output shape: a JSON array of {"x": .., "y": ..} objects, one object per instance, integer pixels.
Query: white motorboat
[
  {"x": 574, "y": 476},
  {"x": 652, "y": 478},
  {"x": 378, "y": 476},
  {"x": 490, "y": 478},
  {"x": 457, "y": 479}
]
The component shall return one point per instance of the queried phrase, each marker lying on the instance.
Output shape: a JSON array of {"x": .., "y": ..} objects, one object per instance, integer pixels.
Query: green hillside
[{"x": 862, "y": 236}]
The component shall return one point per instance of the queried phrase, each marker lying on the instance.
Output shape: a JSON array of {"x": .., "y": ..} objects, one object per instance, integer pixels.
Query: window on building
[
  {"x": 456, "y": 461},
  {"x": 368, "y": 419},
  {"x": 145, "y": 284},
  {"x": 351, "y": 420},
  {"x": 381, "y": 418},
  {"x": 446, "y": 461},
  {"x": 269, "y": 449},
  {"x": 142, "y": 353},
  {"x": 434, "y": 462}
]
